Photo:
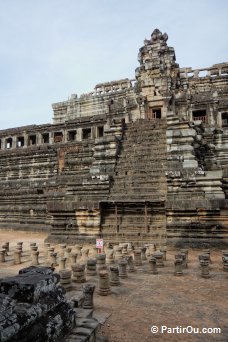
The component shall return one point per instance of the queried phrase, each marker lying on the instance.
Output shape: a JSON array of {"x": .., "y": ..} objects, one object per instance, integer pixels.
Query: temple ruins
[{"x": 137, "y": 160}]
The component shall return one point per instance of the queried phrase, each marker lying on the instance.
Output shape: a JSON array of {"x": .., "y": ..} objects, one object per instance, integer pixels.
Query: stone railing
[{"x": 215, "y": 70}]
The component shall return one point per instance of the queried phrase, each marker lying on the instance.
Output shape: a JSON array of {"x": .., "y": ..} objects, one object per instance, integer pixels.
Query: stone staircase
[{"x": 135, "y": 207}]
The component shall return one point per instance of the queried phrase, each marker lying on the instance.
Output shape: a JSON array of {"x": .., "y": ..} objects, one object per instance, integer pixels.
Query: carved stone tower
[{"x": 157, "y": 75}]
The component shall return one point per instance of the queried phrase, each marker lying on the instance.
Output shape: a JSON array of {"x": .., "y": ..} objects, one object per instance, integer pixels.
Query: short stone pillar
[
  {"x": 17, "y": 257},
  {"x": 19, "y": 246},
  {"x": 85, "y": 255},
  {"x": 159, "y": 259},
  {"x": 104, "y": 286},
  {"x": 185, "y": 250},
  {"x": 32, "y": 245},
  {"x": 62, "y": 263},
  {"x": 225, "y": 263},
  {"x": 143, "y": 253},
  {"x": 131, "y": 267},
  {"x": 91, "y": 269},
  {"x": 35, "y": 258},
  {"x": 62, "y": 247},
  {"x": 224, "y": 253},
  {"x": 114, "y": 281},
  {"x": 53, "y": 259},
  {"x": 110, "y": 256},
  {"x": 50, "y": 250},
  {"x": 2, "y": 255},
  {"x": 118, "y": 253},
  {"x": 101, "y": 265},
  {"x": 122, "y": 268},
  {"x": 6, "y": 246},
  {"x": 205, "y": 268},
  {"x": 178, "y": 263},
  {"x": 78, "y": 273},
  {"x": 129, "y": 247},
  {"x": 73, "y": 258},
  {"x": 46, "y": 246},
  {"x": 152, "y": 266},
  {"x": 77, "y": 249},
  {"x": 88, "y": 290},
  {"x": 124, "y": 249},
  {"x": 137, "y": 257},
  {"x": 207, "y": 252},
  {"x": 204, "y": 257},
  {"x": 184, "y": 258},
  {"x": 164, "y": 251},
  {"x": 65, "y": 278},
  {"x": 67, "y": 252},
  {"x": 34, "y": 249}
]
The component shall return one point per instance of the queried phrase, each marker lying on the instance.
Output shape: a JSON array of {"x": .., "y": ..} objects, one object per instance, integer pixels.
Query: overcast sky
[{"x": 50, "y": 49}]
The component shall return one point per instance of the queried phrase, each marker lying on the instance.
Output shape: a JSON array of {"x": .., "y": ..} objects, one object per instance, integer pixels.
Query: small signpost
[{"x": 99, "y": 245}]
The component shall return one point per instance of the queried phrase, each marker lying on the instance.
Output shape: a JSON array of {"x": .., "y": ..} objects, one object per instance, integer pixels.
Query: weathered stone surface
[
  {"x": 33, "y": 309},
  {"x": 134, "y": 160}
]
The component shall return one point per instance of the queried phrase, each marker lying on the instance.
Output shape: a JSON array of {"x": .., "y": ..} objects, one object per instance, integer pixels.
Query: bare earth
[{"x": 144, "y": 300}]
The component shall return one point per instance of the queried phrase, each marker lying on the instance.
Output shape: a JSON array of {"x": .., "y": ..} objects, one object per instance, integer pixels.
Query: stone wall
[{"x": 142, "y": 159}]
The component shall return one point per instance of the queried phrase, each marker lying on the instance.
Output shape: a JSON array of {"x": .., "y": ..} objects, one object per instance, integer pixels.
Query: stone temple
[{"x": 141, "y": 160}]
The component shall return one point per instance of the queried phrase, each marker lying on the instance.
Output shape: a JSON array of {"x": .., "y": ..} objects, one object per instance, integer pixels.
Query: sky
[{"x": 50, "y": 49}]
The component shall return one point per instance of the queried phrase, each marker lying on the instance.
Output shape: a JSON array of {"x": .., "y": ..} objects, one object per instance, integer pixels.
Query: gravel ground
[{"x": 144, "y": 300}]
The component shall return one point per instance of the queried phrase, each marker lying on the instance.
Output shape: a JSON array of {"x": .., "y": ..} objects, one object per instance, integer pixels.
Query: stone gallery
[{"x": 140, "y": 160}]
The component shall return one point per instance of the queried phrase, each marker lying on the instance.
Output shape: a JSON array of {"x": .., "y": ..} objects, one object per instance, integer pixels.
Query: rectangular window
[
  {"x": 100, "y": 131},
  {"x": 154, "y": 113},
  {"x": 20, "y": 141},
  {"x": 224, "y": 119},
  {"x": 86, "y": 133},
  {"x": 32, "y": 139},
  {"x": 58, "y": 137},
  {"x": 9, "y": 142},
  {"x": 199, "y": 115},
  {"x": 45, "y": 138},
  {"x": 71, "y": 135}
]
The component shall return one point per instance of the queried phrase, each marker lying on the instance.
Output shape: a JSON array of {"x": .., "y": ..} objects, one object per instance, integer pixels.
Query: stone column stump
[
  {"x": 225, "y": 263},
  {"x": 88, "y": 290},
  {"x": 159, "y": 259},
  {"x": 205, "y": 269},
  {"x": 2, "y": 255},
  {"x": 122, "y": 268},
  {"x": 110, "y": 256},
  {"x": 118, "y": 253},
  {"x": 152, "y": 266},
  {"x": 104, "y": 286},
  {"x": 62, "y": 247},
  {"x": 62, "y": 263},
  {"x": 91, "y": 267},
  {"x": 164, "y": 251},
  {"x": 178, "y": 263},
  {"x": 53, "y": 259},
  {"x": 143, "y": 253},
  {"x": 78, "y": 273},
  {"x": 35, "y": 258},
  {"x": 73, "y": 258},
  {"x": 65, "y": 278},
  {"x": 6, "y": 247},
  {"x": 101, "y": 265},
  {"x": 137, "y": 257},
  {"x": 46, "y": 246},
  {"x": 17, "y": 257},
  {"x": 131, "y": 267},
  {"x": 114, "y": 281}
]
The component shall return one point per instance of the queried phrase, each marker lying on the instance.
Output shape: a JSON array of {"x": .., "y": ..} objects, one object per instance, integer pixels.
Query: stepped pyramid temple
[{"x": 139, "y": 160}]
